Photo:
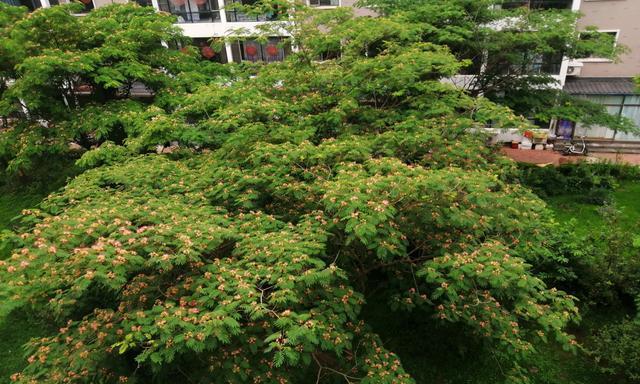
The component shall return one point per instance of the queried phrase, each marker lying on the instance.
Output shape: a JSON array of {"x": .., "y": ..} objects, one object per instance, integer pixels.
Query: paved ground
[{"x": 555, "y": 158}]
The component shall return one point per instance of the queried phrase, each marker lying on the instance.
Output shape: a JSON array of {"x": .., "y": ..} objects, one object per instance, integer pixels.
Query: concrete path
[{"x": 555, "y": 158}]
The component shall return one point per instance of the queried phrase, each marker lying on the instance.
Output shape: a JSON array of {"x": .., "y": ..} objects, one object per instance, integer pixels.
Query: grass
[{"x": 626, "y": 199}]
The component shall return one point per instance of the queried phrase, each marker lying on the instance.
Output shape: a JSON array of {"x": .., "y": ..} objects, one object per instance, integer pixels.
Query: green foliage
[
  {"x": 616, "y": 350},
  {"x": 107, "y": 154},
  {"x": 590, "y": 182},
  {"x": 250, "y": 255},
  {"x": 72, "y": 77},
  {"x": 519, "y": 51},
  {"x": 607, "y": 267}
]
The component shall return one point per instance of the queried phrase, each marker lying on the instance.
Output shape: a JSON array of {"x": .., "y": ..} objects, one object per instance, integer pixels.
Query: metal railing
[
  {"x": 197, "y": 16},
  {"x": 236, "y": 16},
  {"x": 324, "y": 3},
  {"x": 191, "y": 12},
  {"x": 537, "y": 4}
]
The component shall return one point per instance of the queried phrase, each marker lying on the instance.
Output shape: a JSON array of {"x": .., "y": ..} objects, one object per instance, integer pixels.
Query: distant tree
[
  {"x": 70, "y": 78},
  {"x": 512, "y": 53}
]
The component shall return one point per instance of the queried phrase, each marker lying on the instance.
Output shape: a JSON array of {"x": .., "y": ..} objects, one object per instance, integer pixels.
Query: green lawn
[{"x": 626, "y": 198}]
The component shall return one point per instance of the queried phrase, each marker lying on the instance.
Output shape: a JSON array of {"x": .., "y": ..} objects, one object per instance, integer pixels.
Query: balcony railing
[
  {"x": 31, "y": 4},
  {"x": 237, "y": 16},
  {"x": 537, "y": 4},
  {"x": 324, "y": 3},
  {"x": 192, "y": 11},
  {"x": 235, "y": 12}
]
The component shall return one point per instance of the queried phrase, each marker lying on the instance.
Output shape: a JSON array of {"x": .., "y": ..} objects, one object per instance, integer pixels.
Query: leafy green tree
[
  {"x": 302, "y": 188},
  {"x": 512, "y": 53},
  {"x": 71, "y": 78}
]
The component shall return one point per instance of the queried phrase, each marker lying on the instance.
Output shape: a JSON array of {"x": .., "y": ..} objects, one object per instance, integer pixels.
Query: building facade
[
  {"x": 604, "y": 81},
  {"x": 206, "y": 20}
]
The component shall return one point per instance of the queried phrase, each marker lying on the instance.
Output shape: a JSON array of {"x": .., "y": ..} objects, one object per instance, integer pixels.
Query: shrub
[
  {"x": 590, "y": 182},
  {"x": 606, "y": 262},
  {"x": 617, "y": 350}
]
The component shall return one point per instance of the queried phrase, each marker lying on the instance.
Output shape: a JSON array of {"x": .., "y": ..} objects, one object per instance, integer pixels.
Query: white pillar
[
  {"x": 223, "y": 14},
  {"x": 227, "y": 47},
  {"x": 45, "y": 4},
  {"x": 576, "y": 5},
  {"x": 223, "y": 21},
  {"x": 155, "y": 4}
]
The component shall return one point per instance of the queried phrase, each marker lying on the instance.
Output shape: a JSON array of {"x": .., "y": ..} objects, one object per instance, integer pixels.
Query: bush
[
  {"x": 593, "y": 182},
  {"x": 606, "y": 262},
  {"x": 617, "y": 349}
]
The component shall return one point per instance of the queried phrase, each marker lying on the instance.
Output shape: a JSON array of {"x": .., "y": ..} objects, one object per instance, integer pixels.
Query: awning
[{"x": 600, "y": 86}]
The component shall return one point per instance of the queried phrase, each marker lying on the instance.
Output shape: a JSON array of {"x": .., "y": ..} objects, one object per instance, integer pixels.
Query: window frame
[
  {"x": 602, "y": 59},
  {"x": 320, "y": 6}
]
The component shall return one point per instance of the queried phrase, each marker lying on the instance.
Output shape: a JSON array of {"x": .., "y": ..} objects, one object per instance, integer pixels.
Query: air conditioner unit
[{"x": 575, "y": 68}]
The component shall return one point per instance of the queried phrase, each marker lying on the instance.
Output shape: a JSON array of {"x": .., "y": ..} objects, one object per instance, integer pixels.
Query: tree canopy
[
  {"x": 513, "y": 54},
  {"x": 302, "y": 191},
  {"x": 71, "y": 78}
]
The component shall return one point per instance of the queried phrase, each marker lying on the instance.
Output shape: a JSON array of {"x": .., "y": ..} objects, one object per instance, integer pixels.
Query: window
[
  {"x": 597, "y": 45},
  {"x": 209, "y": 52},
  {"x": 192, "y": 11},
  {"x": 88, "y": 5},
  {"x": 235, "y": 15},
  {"x": 529, "y": 63},
  {"x": 251, "y": 50},
  {"x": 324, "y": 3},
  {"x": 619, "y": 105},
  {"x": 31, "y": 4}
]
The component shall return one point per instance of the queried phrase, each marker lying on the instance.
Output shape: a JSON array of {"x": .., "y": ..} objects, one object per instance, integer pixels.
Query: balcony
[
  {"x": 236, "y": 15},
  {"x": 192, "y": 11},
  {"x": 324, "y": 3},
  {"x": 217, "y": 54},
  {"x": 536, "y": 4},
  {"x": 533, "y": 64},
  {"x": 31, "y": 4},
  {"x": 250, "y": 50}
]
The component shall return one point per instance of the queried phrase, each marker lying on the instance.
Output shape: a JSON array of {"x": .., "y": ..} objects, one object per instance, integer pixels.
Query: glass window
[
  {"x": 210, "y": 52},
  {"x": 192, "y": 11},
  {"x": 592, "y": 43},
  {"x": 251, "y": 50},
  {"x": 605, "y": 99},
  {"x": 324, "y": 3},
  {"x": 632, "y": 100},
  {"x": 235, "y": 15},
  {"x": 626, "y": 105},
  {"x": 632, "y": 112}
]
